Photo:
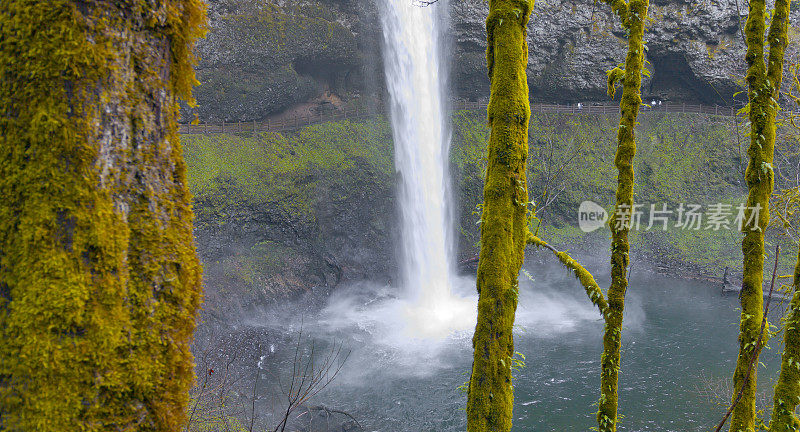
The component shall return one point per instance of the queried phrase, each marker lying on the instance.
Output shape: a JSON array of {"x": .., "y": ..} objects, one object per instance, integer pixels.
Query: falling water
[{"x": 415, "y": 77}]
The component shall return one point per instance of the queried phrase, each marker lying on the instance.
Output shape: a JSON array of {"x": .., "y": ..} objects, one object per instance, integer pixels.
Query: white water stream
[{"x": 415, "y": 77}]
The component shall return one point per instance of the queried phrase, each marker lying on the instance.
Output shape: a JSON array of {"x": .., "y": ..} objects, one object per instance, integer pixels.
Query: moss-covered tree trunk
[
  {"x": 632, "y": 15},
  {"x": 764, "y": 80},
  {"x": 504, "y": 228},
  {"x": 99, "y": 278},
  {"x": 787, "y": 390}
]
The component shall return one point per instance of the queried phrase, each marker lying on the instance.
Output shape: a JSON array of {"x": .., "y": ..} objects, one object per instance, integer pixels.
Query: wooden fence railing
[
  {"x": 298, "y": 122},
  {"x": 273, "y": 125}
]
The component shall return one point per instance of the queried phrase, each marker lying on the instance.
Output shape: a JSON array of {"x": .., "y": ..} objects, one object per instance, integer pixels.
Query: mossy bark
[
  {"x": 586, "y": 279},
  {"x": 764, "y": 80},
  {"x": 787, "y": 390},
  {"x": 632, "y": 15},
  {"x": 504, "y": 226},
  {"x": 99, "y": 279}
]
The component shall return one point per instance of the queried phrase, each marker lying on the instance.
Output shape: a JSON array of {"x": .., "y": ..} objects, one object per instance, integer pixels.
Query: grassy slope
[
  {"x": 282, "y": 169},
  {"x": 690, "y": 159},
  {"x": 681, "y": 158},
  {"x": 259, "y": 201}
]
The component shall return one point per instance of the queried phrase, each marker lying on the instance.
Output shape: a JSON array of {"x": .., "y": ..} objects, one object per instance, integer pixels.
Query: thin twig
[
  {"x": 253, "y": 410},
  {"x": 329, "y": 410},
  {"x": 205, "y": 380}
]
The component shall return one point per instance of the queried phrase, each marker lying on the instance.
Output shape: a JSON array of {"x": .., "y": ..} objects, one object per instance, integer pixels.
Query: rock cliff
[{"x": 290, "y": 57}]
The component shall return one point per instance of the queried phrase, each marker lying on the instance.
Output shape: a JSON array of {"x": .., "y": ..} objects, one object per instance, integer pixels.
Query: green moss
[
  {"x": 286, "y": 171},
  {"x": 763, "y": 81},
  {"x": 586, "y": 279},
  {"x": 671, "y": 148},
  {"x": 98, "y": 274},
  {"x": 633, "y": 15},
  {"x": 787, "y": 390},
  {"x": 504, "y": 227}
]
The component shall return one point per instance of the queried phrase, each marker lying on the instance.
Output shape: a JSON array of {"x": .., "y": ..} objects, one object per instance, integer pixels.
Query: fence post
[
  {"x": 683, "y": 108},
  {"x": 223, "y": 126}
]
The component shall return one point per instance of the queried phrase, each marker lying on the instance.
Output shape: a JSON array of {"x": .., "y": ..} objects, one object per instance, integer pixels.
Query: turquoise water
[{"x": 679, "y": 349}]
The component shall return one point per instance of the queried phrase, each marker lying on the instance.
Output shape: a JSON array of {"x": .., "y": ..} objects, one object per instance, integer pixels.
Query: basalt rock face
[
  {"x": 284, "y": 215},
  {"x": 695, "y": 50},
  {"x": 263, "y": 58},
  {"x": 255, "y": 254}
]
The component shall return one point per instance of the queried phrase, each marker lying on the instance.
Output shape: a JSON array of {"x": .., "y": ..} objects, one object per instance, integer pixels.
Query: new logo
[{"x": 591, "y": 216}]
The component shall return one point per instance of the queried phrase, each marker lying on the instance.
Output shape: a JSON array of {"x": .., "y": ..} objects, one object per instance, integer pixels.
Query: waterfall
[{"x": 415, "y": 77}]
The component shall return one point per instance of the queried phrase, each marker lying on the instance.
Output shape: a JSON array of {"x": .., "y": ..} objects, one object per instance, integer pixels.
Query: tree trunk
[
  {"x": 633, "y": 15},
  {"x": 763, "y": 84},
  {"x": 787, "y": 390},
  {"x": 99, "y": 278},
  {"x": 504, "y": 226}
]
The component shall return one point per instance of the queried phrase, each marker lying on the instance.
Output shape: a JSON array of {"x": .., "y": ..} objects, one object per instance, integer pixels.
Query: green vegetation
[
  {"x": 787, "y": 390},
  {"x": 672, "y": 148},
  {"x": 504, "y": 219},
  {"x": 632, "y": 14},
  {"x": 764, "y": 82},
  {"x": 230, "y": 170},
  {"x": 284, "y": 189},
  {"x": 99, "y": 278},
  {"x": 284, "y": 171}
]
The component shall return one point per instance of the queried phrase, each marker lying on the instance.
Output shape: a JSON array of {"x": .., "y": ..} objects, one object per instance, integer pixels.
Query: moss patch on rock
[
  {"x": 279, "y": 214},
  {"x": 289, "y": 190}
]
